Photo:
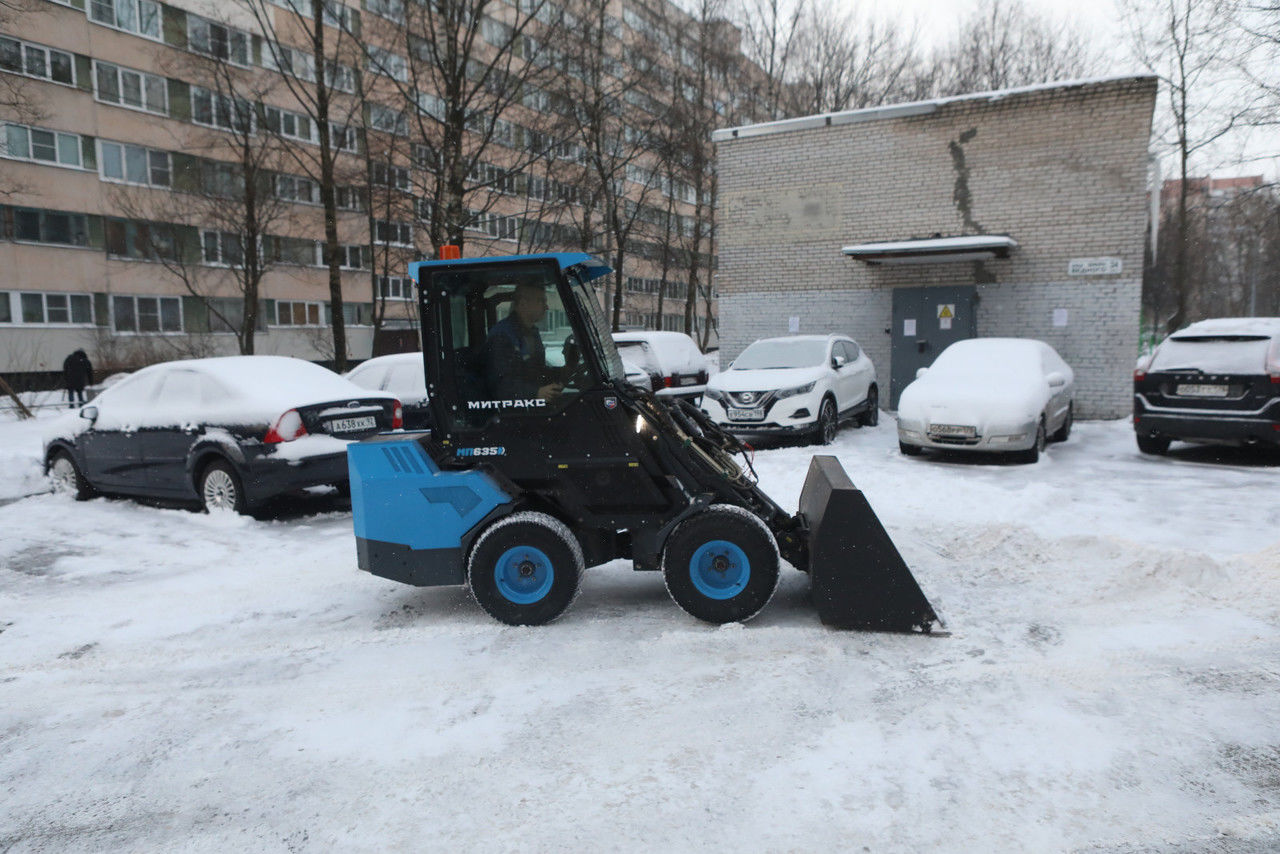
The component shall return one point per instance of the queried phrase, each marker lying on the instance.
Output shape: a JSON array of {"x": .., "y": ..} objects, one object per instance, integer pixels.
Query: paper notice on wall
[
  {"x": 793, "y": 324},
  {"x": 1059, "y": 317},
  {"x": 944, "y": 323},
  {"x": 909, "y": 326}
]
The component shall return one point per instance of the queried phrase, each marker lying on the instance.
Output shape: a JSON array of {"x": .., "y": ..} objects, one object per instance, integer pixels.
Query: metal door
[{"x": 925, "y": 322}]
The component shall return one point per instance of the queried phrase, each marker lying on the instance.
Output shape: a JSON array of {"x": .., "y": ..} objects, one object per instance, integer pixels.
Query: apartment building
[{"x": 121, "y": 166}]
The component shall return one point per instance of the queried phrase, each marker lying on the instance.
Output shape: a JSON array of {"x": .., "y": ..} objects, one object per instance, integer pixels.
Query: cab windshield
[{"x": 601, "y": 342}]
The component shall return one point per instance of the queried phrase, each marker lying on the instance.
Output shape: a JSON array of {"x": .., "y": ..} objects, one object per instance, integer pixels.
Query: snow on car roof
[
  {"x": 653, "y": 337},
  {"x": 393, "y": 359},
  {"x": 1231, "y": 326}
]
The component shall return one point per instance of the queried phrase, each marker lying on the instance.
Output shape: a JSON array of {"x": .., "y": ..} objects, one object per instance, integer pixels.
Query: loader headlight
[
  {"x": 641, "y": 424},
  {"x": 800, "y": 389}
]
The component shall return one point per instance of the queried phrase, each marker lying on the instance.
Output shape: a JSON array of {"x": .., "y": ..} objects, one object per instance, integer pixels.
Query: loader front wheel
[
  {"x": 525, "y": 570},
  {"x": 721, "y": 565}
]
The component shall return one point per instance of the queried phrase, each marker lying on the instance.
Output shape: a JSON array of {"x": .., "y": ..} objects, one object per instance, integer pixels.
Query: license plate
[
  {"x": 688, "y": 381},
  {"x": 756, "y": 414},
  {"x": 1200, "y": 390},
  {"x": 952, "y": 430},
  {"x": 353, "y": 425}
]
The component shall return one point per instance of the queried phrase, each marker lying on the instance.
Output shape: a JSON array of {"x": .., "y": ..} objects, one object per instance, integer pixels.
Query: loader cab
[{"x": 512, "y": 341}]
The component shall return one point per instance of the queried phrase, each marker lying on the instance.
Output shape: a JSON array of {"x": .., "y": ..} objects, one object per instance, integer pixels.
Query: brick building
[{"x": 1014, "y": 213}]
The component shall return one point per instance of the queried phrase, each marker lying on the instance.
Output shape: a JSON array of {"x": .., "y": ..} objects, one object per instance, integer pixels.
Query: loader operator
[{"x": 515, "y": 359}]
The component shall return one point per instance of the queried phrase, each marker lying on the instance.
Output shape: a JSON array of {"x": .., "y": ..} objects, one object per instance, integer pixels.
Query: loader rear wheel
[
  {"x": 721, "y": 565},
  {"x": 525, "y": 570}
]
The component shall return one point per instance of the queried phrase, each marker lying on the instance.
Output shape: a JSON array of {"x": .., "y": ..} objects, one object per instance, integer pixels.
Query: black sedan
[{"x": 225, "y": 433}]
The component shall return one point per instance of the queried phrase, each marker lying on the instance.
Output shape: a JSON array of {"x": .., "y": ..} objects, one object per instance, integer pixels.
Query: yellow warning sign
[{"x": 946, "y": 312}]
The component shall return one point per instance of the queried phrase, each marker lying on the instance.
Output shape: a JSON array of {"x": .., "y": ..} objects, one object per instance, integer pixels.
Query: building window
[
  {"x": 129, "y": 88},
  {"x": 218, "y": 41},
  {"x": 394, "y": 233},
  {"x": 6, "y": 307},
  {"x": 140, "y": 241},
  {"x": 134, "y": 16},
  {"x": 290, "y": 125},
  {"x": 391, "y": 176},
  {"x": 395, "y": 287},
  {"x": 335, "y": 14},
  {"x": 388, "y": 120},
  {"x": 349, "y": 198},
  {"x": 221, "y": 248},
  {"x": 291, "y": 188},
  {"x": 343, "y": 137},
  {"x": 40, "y": 226},
  {"x": 351, "y": 257},
  {"x": 34, "y": 60},
  {"x": 46, "y": 146},
  {"x": 296, "y": 313},
  {"x": 392, "y": 9},
  {"x": 292, "y": 250},
  {"x": 221, "y": 111},
  {"x": 133, "y": 164},
  {"x": 68, "y": 309},
  {"x": 146, "y": 314},
  {"x": 382, "y": 61}
]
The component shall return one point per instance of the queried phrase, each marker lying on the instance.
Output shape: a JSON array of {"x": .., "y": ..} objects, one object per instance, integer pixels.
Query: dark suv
[{"x": 1216, "y": 381}]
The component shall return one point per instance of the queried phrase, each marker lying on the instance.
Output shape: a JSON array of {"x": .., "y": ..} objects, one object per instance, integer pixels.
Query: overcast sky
[{"x": 939, "y": 19}]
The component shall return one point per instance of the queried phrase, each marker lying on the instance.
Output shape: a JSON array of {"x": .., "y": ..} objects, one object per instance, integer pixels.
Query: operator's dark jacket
[
  {"x": 515, "y": 362},
  {"x": 77, "y": 371}
]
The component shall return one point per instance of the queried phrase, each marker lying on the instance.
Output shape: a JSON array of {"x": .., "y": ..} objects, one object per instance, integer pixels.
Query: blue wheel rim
[
  {"x": 719, "y": 569},
  {"x": 524, "y": 575}
]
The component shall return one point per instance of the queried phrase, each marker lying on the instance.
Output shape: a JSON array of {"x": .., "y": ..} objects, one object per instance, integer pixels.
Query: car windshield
[
  {"x": 599, "y": 338},
  {"x": 1213, "y": 355},
  {"x": 781, "y": 354},
  {"x": 971, "y": 360}
]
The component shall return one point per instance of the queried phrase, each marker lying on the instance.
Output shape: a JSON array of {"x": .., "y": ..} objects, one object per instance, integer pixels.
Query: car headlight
[
  {"x": 800, "y": 389},
  {"x": 716, "y": 394}
]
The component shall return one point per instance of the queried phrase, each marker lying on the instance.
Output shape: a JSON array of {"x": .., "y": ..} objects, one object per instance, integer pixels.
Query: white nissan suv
[{"x": 801, "y": 385}]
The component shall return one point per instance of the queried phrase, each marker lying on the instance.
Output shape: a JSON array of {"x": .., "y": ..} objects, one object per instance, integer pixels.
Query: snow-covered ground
[{"x": 1111, "y": 683}]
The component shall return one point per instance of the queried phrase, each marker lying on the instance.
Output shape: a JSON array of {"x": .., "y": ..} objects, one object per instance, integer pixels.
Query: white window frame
[
  {"x": 119, "y": 72},
  {"x": 25, "y": 46},
  {"x": 29, "y": 155},
  {"x": 388, "y": 120},
  {"x": 151, "y": 156},
  {"x": 12, "y": 299},
  {"x": 294, "y": 182},
  {"x": 344, "y": 137},
  {"x": 219, "y": 105},
  {"x": 93, "y": 7},
  {"x": 283, "y": 118},
  {"x": 345, "y": 251},
  {"x": 234, "y": 36},
  {"x": 402, "y": 231},
  {"x": 159, "y": 301},
  {"x": 221, "y": 238},
  {"x": 395, "y": 287},
  {"x": 388, "y": 63},
  {"x": 308, "y": 305}
]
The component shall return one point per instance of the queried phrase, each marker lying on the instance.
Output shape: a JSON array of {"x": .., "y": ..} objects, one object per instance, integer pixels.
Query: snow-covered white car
[
  {"x": 672, "y": 359},
  {"x": 994, "y": 395},
  {"x": 400, "y": 374},
  {"x": 798, "y": 385},
  {"x": 226, "y": 433}
]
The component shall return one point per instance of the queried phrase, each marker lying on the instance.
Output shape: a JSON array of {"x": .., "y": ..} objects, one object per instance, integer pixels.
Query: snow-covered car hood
[
  {"x": 765, "y": 379},
  {"x": 935, "y": 401}
]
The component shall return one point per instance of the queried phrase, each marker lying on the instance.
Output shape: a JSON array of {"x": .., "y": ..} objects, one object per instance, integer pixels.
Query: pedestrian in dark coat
[{"x": 77, "y": 372}]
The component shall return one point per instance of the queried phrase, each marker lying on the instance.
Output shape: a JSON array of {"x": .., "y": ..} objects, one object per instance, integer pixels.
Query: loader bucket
[{"x": 859, "y": 579}]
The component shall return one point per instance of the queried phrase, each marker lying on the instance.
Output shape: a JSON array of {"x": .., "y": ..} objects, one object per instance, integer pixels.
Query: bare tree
[
  {"x": 1188, "y": 45},
  {"x": 18, "y": 95},
  {"x": 1003, "y": 45},
  {"x": 770, "y": 40},
  {"x": 846, "y": 62}
]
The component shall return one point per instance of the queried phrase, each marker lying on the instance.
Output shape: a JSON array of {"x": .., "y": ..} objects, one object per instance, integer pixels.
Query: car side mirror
[
  {"x": 921, "y": 372},
  {"x": 1056, "y": 380},
  {"x": 89, "y": 413},
  {"x": 838, "y": 362}
]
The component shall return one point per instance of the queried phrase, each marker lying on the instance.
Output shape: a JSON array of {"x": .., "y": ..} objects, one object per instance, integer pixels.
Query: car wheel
[
  {"x": 1158, "y": 445},
  {"x": 1032, "y": 454},
  {"x": 721, "y": 565},
  {"x": 221, "y": 490},
  {"x": 1063, "y": 432},
  {"x": 827, "y": 423},
  {"x": 65, "y": 477},
  {"x": 871, "y": 417},
  {"x": 909, "y": 450},
  {"x": 526, "y": 569}
]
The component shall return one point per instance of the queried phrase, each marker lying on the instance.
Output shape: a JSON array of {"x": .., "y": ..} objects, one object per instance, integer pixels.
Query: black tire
[
  {"x": 220, "y": 489},
  {"x": 871, "y": 417},
  {"x": 721, "y": 565},
  {"x": 909, "y": 450},
  {"x": 1064, "y": 432},
  {"x": 65, "y": 477},
  {"x": 1157, "y": 445},
  {"x": 828, "y": 422},
  {"x": 1032, "y": 454},
  {"x": 526, "y": 569}
]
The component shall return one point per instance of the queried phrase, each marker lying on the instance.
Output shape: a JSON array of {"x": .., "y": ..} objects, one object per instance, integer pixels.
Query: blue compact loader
[{"x": 542, "y": 460}]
